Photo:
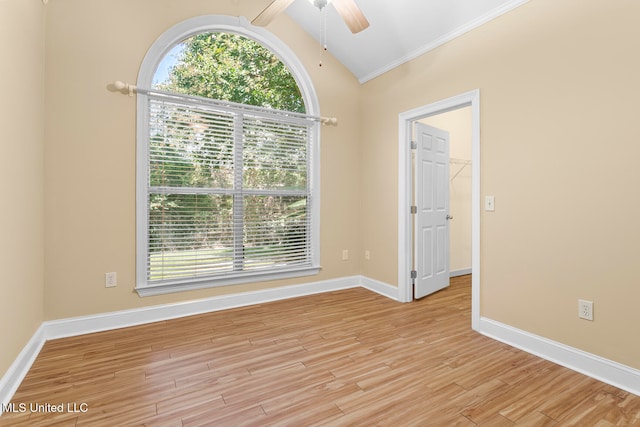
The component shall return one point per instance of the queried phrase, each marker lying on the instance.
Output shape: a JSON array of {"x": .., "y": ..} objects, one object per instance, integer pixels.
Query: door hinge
[
  {"x": 414, "y": 274},
  {"x": 414, "y": 145},
  {"x": 414, "y": 209}
]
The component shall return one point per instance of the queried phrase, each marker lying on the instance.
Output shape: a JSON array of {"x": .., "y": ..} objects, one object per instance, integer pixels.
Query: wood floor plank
[{"x": 342, "y": 358}]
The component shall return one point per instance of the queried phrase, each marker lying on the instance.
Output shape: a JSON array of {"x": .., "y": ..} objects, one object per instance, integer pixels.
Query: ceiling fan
[{"x": 347, "y": 9}]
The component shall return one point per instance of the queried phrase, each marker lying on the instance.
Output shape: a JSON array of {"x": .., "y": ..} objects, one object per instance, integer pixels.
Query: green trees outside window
[{"x": 234, "y": 68}]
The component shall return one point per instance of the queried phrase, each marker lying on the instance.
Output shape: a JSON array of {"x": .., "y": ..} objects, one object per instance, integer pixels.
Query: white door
[{"x": 431, "y": 192}]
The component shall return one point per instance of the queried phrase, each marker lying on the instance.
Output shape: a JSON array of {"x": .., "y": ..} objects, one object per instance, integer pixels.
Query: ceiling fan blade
[
  {"x": 351, "y": 14},
  {"x": 266, "y": 16}
]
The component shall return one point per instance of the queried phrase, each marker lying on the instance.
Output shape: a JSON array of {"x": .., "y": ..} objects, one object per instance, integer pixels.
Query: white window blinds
[{"x": 228, "y": 190}]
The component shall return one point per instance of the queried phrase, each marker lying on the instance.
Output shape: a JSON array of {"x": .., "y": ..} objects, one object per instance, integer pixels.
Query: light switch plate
[
  {"x": 489, "y": 203},
  {"x": 110, "y": 280}
]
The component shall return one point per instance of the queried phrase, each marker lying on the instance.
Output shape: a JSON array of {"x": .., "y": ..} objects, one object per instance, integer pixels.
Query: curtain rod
[{"x": 126, "y": 88}]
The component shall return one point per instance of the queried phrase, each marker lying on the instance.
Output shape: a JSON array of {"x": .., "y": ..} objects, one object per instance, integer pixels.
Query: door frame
[{"x": 405, "y": 241}]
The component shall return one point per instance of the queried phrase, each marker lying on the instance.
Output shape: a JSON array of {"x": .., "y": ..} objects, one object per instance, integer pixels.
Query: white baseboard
[
  {"x": 121, "y": 319},
  {"x": 13, "y": 377},
  {"x": 462, "y": 272},
  {"x": 597, "y": 367},
  {"x": 381, "y": 288}
]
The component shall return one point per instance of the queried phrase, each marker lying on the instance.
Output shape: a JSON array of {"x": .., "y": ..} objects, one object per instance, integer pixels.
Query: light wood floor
[{"x": 343, "y": 358}]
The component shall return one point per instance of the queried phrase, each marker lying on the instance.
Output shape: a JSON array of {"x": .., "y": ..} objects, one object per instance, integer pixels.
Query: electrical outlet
[
  {"x": 367, "y": 254},
  {"x": 585, "y": 309},
  {"x": 110, "y": 280}
]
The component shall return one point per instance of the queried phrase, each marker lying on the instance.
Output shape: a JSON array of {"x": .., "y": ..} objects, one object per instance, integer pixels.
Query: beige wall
[
  {"x": 21, "y": 170},
  {"x": 458, "y": 124},
  {"x": 90, "y": 154},
  {"x": 559, "y": 89}
]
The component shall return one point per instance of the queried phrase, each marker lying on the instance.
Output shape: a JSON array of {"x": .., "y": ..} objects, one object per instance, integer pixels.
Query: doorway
[{"x": 405, "y": 241}]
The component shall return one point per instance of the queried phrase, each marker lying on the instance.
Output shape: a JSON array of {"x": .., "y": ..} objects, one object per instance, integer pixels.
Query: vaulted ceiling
[{"x": 400, "y": 30}]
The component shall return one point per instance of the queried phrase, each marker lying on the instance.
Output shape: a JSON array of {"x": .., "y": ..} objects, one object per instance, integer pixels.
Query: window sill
[{"x": 192, "y": 285}]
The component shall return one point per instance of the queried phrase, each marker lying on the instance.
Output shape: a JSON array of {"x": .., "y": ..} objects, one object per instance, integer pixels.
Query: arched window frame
[{"x": 160, "y": 48}]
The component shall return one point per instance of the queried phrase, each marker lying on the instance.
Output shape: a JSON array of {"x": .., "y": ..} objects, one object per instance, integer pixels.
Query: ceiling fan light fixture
[{"x": 320, "y": 4}]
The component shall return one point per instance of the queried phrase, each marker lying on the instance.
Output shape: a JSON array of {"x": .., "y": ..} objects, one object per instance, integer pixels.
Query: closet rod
[{"x": 130, "y": 89}]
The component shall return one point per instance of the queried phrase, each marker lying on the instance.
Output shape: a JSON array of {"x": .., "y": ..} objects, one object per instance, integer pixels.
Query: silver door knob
[{"x": 449, "y": 217}]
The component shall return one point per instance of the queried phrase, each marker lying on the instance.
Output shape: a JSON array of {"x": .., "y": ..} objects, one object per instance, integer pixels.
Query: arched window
[{"x": 227, "y": 162}]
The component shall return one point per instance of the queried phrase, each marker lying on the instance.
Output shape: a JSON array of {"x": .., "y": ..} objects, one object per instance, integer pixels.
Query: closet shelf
[{"x": 460, "y": 162}]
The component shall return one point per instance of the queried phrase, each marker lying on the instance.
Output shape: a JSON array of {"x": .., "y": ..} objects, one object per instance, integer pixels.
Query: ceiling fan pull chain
[
  {"x": 323, "y": 33},
  {"x": 324, "y": 29}
]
